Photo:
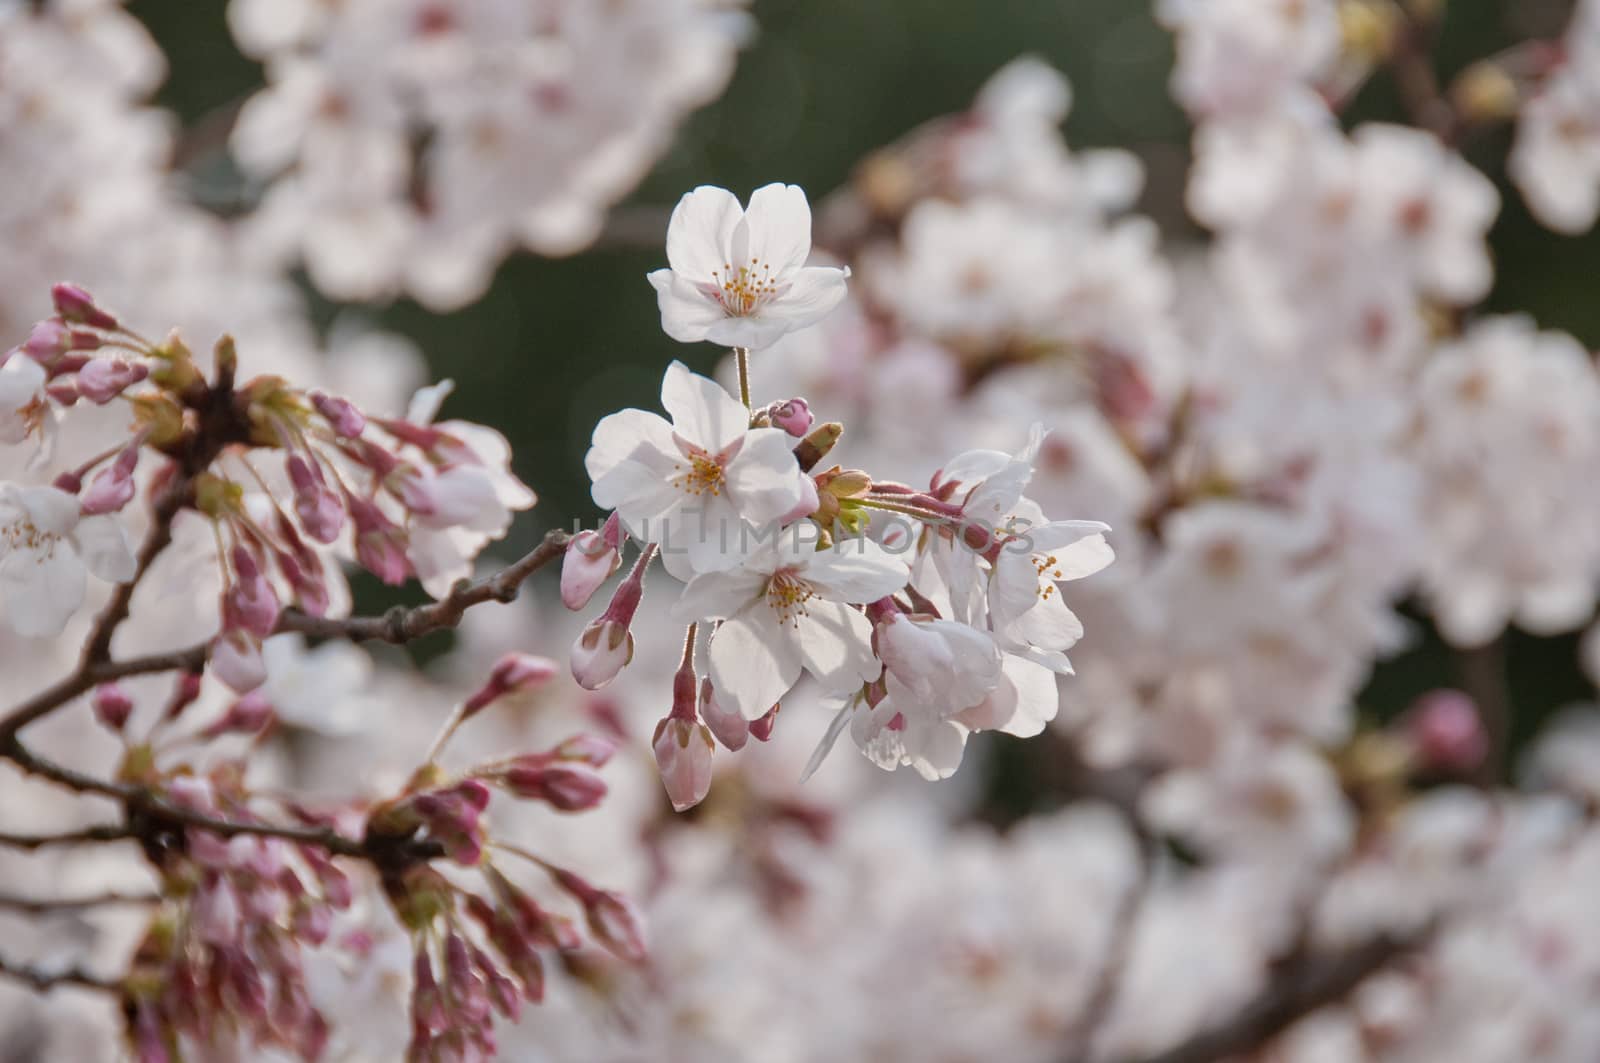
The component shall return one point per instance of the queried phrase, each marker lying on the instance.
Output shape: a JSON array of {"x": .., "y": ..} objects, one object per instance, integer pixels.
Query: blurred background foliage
[{"x": 557, "y": 344}]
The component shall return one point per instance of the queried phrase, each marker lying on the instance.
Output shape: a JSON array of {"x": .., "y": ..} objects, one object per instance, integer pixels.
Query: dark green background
[{"x": 553, "y": 347}]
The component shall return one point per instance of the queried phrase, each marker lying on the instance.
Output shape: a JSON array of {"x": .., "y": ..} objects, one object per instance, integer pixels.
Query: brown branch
[
  {"x": 1483, "y": 675},
  {"x": 109, "y": 832},
  {"x": 404, "y": 624},
  {"x": 48, "y": 700},
  {"x": 43, "y": 981},
  {"x": 40, "y": 905},
  {"x": 1299, "y": 986}
]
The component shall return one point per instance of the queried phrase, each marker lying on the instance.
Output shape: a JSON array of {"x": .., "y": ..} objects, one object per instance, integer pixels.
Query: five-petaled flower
[
  {"x": 785, "y": 609},
  {"x": 692, "y": 484},
  {"x": 738, "y": 277},
  {"x": 45, "y": 547}
]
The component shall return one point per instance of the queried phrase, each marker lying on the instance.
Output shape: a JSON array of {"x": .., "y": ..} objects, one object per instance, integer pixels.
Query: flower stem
[{"x": 741, "y": 358}]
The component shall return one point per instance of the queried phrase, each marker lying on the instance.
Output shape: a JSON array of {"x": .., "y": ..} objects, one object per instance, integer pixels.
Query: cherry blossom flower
[
  {"x": 692, "y": 484},
  {"x": 738, "y": 276},
  {"x": 785, "y": 609},
  {"x": 46, "y": 547},
  {"x": 25, "y": 410}
]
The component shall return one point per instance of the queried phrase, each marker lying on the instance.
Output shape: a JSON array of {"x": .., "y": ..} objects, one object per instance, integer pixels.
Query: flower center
[
  {"x": 703, "y": 473},
  {"x": 1045, "y": 566},
  {"x": 23, "y": 534},
  {"x": 788, "y": 594},
  {"x": 742, "y": 290}
]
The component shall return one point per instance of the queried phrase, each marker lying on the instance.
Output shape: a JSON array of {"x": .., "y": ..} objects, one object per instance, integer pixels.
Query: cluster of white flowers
[
  {"x": 1294, "y": 433},
  {"x": 409, "y": 147}
]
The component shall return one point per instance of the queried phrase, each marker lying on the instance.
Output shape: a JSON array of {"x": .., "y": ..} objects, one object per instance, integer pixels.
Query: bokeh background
[{"x": 558, "y": 343}]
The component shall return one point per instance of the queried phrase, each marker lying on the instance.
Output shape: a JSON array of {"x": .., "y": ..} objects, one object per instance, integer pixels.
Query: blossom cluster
[
  {"x": 1302, "y": 438},
  {"x": 410, "y": 147}
]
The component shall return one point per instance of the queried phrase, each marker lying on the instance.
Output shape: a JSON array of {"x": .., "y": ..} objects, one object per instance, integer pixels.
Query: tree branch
[
  {"x": 39, "y": 905},
  {"x": 110, "y": 832},
  {"x": 404, "y": 624},
  {"x": 1302, "y": 984},
  {"x": 43, "y": 981}
]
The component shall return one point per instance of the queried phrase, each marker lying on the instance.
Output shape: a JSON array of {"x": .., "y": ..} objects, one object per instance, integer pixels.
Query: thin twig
[
  {"x": 43, "y": 981},
  {"x": 110, "y": 832},
  {"x": 404, "y": 624},
  {"x": 40, "y": 905}
]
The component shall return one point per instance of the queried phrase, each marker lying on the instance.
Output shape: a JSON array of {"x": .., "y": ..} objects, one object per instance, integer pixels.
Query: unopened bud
[
  {"x": 590, "y": 560},
  {"x": 683, "y": 751},
  {"x": 589, "y": 749},
  {"x": 77, "y": 305},
  {"x": 512, "y": 673},
  {"x": 611, "y": 918},
  {"x": 815, "y": 446},
  {"x": 103, "y": 379},
  {"x": 793, "y": 416},
  {"x": 761, "y": 727},
  {"x": 112, "y": 706},
  {"x": 249, "y": 715},
  {"x": 112, "y": 487},
  {"x": 1447, "y": 731},
  {"x": 602, "y": 651},
  {"x": 731, "y": 729},
  {"x": 341, "y": 414},
  {"x": 568, "y": 787},
  {"x": 236, "y": 660}
]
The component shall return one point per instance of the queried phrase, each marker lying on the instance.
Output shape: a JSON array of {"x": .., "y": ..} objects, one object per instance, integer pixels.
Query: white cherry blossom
[
  {"x": 786, "y": 609},
  {"x": 46, "y": 547},
  {"x": 738, "y": 276},
  {"x": 692, "y": 484}
]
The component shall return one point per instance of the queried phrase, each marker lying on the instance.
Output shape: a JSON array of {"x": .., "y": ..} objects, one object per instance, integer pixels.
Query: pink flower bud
[
  {"x": 236, "y": 660},
  {"x": 76, "y": 305},
  {"x": 112, "y": 706},
  {"x": 590, "y": 560},
  {"x": 319, "y": 509},
  {"x": 380, "y": 543},
  {"x": 312, "y": 923},
  {"x": 761, "y": 728},
  {"x": 47, "y": 342},
  {"x": 216, "y": 913},
  {"x": 112, "y": 487},
  {"x": 731, "y": 729},
  {"x": 793, "y": 416},
  {"x": 341, "y": 414},
  {"x": 611, "y": 919},
  {"x": 250, "y": 602},
  {"x": 512, "y": 673},
  {"x": 103, "y": 379},
  {"x": 149, "y": 1046},
  {"x": 248, "y": 715},
  {"x": 589, "y": 749},
  {"x": 1447, "y": 731},
  {"x": 567, "y": 787},
  {"x": 603, "y": 650},
  {"x": 185, "y": 691},
  {"x": 683, "y": 754}
]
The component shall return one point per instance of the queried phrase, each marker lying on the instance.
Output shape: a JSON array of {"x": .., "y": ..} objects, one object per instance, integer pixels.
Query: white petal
[
  {"x": 779, "y": 220},
  {"x": 42, "y": 590},
  {"x": 50, "y": 509},
  {"x": 856, "y": 570},
  {"x": 424, "y": 406},
  {"x": 700, "y": 231},
  {"x": 104, "y": 547},
  {"x": 815, "y": 292},
  {"x": 757, "y": 332},
  {"x": 687, "y": 313},
  {"x": 1049, "y": 625},
  {"x": 825, "y": 745},
  {"x": 764, "y": 480},
  {"x": 1076, "y": 558},
  {"x": 702, "y": 412},
  {"x": 836, "y": 646},
  {"x": 618, "y": 437},
  {"x": 754, "y": 661},
  {"x": 715, "y": 595}
]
